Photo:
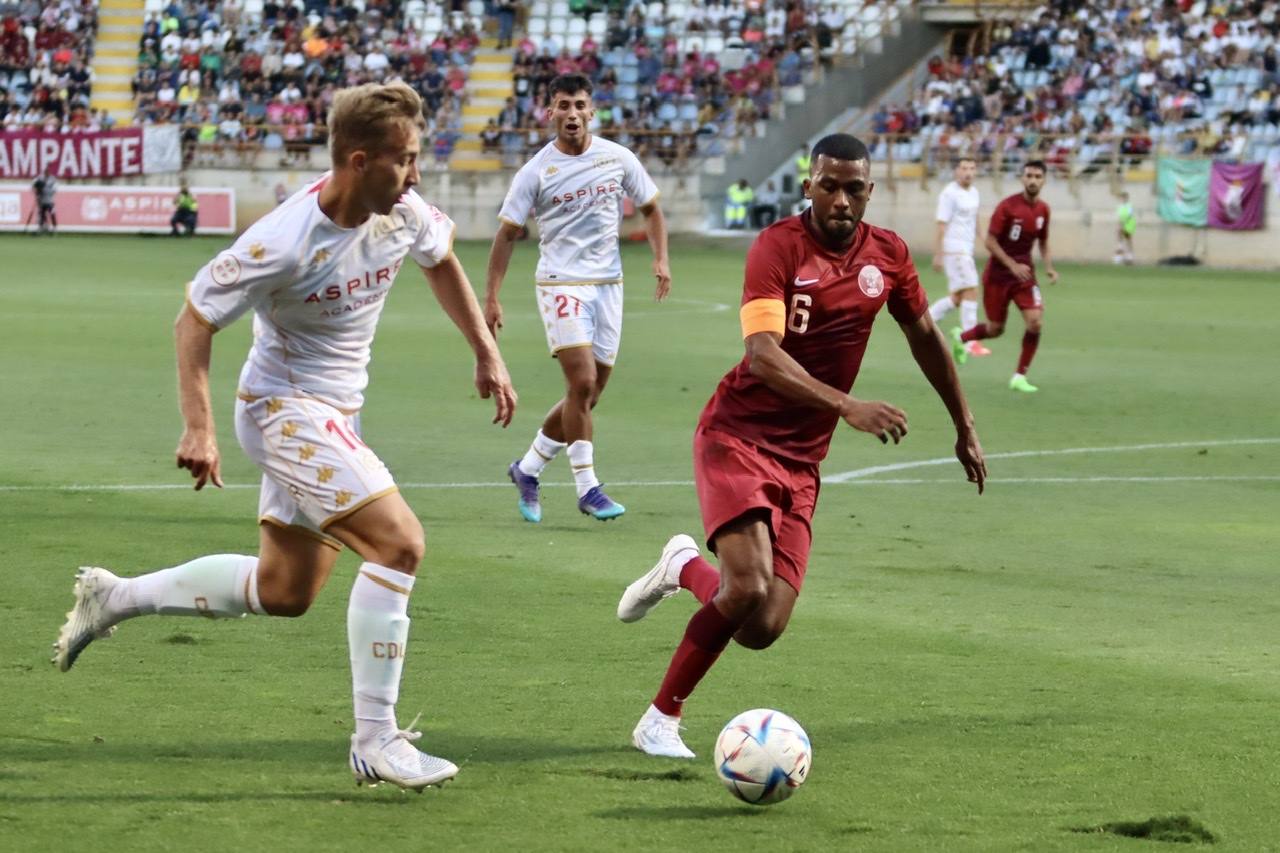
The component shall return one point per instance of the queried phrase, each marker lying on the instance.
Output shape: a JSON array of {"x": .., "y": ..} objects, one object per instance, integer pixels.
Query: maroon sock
[
  {"x": 977, "y": 333},
  {"x": 700, "y": 578},
  {"x": 1030, "y": 341},
  {"x": 705, "y": 638}
]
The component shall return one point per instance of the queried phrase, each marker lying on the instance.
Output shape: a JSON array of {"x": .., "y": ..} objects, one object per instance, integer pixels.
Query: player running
[
  {"x": 813, "y": 287},
  {"x": 575, "y": 187},
  {"x": 316, "y": 272},
  {"x": 957, "y": 233},
  {"x": 1010, "y": 275}
]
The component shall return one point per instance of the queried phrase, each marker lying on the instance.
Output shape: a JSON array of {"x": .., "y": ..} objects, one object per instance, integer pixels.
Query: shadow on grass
[
  {"x": 1176, "y": 829},
  {"x": 461, "y": 748},
  {"x": 394, "y": 798},
  {"x": 665, "y": 814}
]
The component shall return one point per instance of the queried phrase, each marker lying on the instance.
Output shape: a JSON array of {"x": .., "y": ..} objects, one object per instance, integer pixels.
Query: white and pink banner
[
  {"x": 105, "y": 154},
  {"x": 130, "y": 210}
]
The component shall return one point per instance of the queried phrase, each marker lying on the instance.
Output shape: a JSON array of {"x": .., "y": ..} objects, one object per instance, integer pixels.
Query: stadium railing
[{"x": 1117, "y": 158}]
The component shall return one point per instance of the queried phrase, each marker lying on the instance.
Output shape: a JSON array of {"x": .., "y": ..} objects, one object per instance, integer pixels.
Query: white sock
[
  {"x": 581, "y": 455},
  {"x": 377, "y": 638},
  {"x": 968, "y": 314},
  {"x": 539, "y": 454},
  {"x": 941, "y": 308},
  {"x": 217, "y": 585}
]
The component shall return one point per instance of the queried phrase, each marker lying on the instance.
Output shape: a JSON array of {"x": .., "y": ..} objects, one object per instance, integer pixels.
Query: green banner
[{"x": 1182, "y": 191}]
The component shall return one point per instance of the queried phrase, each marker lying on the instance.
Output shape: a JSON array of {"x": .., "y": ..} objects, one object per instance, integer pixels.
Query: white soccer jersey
[
  {"x": 577, "y": 201},
  {"x": 959, "y": 209},
  {"x": 316, "y": 291}
]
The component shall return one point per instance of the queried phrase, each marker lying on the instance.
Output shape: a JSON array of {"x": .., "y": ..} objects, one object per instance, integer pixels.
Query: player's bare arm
[
  {"x": 931, "y": 351},
  {"x": 453, "y": 291},
  {"x": 937, "y": 245},
  {"x": 504, "y": 243},
  {"x": 774, "y": 367},
  {"x": 198, "y": 447},
  {"x": 655, "y": 228},
  {"x": 1048, "y": 261},
  {"x": 1020, "y": 271}
]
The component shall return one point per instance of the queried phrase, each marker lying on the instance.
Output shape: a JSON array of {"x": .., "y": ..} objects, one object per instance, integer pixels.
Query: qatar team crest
[{"x": 871, "y": 280}]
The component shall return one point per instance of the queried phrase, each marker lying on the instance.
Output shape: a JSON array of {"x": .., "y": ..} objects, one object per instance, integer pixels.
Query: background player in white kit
[
  {"x": 575, "y": 187},
  {"x": 316, "y": 272},
  {"x": 957, "y": 234}
]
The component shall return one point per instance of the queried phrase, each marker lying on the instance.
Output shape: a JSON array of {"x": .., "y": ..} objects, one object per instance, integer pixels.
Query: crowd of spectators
[
  {"x": 672, "y": 79},
  {"x": 1078, "y": 83},
  {"x": 237, "y": 80},
  {"x": 46, "y": 57}
]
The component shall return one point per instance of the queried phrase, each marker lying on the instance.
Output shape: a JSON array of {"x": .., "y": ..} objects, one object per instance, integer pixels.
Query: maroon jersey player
[
  {"x": 1018, "y": 222},
  {"x": 814, "y": 286}
]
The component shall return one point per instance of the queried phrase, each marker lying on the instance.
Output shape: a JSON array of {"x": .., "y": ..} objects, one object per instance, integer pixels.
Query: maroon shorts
[
  {"x": 996, "y": 297},
  {"x": 734, "y": 478}
]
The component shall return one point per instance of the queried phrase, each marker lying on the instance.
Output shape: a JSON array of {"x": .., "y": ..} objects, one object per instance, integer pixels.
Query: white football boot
[
  {"x": 88, "y": 620},
  {"x": 660, "y": 582},
  {"x": 659, "y": 734},
  {"x": 394, "y": 760}
]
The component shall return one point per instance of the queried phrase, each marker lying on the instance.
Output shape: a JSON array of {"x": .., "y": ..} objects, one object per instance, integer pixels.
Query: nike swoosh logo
[{"x": 805, "y": 282}]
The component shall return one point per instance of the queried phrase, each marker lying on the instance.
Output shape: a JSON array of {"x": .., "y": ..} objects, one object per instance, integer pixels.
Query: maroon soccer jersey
[
  {"x": 831, "y": 300},
  {"x": 1016, "y": 224}
]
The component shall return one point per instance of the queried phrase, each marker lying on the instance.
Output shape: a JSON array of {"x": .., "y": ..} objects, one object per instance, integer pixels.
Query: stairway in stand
[
  {"x": 115, "y": 58},
  {"x": 489, "y": 84}
]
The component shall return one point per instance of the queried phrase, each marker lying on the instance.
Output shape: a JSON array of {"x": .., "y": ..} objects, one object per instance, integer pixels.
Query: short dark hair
[
  {"x": 569, "y": 84},
  {"x": 1035, "y": 164},
  {"x": 840, "y": 146}
]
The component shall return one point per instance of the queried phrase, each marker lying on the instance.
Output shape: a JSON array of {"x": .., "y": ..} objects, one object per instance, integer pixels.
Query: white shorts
[
  {"x": 961, "y": 271},
  {"x": 583, "y": 315},
  {"x": 315, "y": 468}
]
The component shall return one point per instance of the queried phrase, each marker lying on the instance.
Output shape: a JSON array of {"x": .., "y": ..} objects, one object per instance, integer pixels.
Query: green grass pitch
[{"x": 1093, "y": 643}]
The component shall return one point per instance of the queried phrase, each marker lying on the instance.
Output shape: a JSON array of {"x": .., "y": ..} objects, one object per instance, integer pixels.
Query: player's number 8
[
  {"x": 1016, "y": 231},
  {"x": 798, "y": 322}
]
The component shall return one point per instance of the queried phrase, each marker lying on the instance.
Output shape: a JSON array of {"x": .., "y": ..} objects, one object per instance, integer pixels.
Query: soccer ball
[{"x": 763, "y": 756}]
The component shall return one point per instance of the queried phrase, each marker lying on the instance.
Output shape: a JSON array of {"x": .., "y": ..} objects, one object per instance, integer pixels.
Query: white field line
[
  {"x": 855, "y": 477},
  {"x": 859, "y": 473}
]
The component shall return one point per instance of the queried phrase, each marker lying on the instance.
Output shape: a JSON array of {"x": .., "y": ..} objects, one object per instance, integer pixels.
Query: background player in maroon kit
[
  {"x": 814, "y": 285},
  {"x": 1010, "y": 275}
]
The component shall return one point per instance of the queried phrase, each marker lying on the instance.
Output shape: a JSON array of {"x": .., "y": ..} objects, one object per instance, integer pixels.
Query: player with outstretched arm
[{"x": 316, "y": 272}]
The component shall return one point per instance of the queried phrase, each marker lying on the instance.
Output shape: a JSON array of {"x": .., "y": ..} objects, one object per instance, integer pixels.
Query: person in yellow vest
[
  {"x": 1127, "y": 224},
  {"x": 184, "y": 211},
  {"x": 802, "y": 161},
  {"x": 738, "y": 200}
]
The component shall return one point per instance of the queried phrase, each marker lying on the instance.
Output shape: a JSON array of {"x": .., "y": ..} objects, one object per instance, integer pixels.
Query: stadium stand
[
  {"x": 674, "y": 79},
  {"x": 679, "y": 78},
  {"x": 1083, "y": 83},
  {"x": 46, "y": 62}
]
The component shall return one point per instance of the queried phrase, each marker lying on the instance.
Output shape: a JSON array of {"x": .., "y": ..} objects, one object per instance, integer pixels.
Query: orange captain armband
[{"x": 763, "y": 315}]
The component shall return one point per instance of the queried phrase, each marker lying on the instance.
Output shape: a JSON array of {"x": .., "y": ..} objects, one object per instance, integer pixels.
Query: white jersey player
[
  {"x": 315, "y": 272},
  {"x": 575, "y": 188},
  {"x": 957, "y": 234}
]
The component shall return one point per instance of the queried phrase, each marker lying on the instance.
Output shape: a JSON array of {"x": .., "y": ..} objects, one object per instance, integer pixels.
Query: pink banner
[
  {"x": 106, "y": 154},
  {"x": 1236, "y": 196},
  {"x": 130, "y": 210}
]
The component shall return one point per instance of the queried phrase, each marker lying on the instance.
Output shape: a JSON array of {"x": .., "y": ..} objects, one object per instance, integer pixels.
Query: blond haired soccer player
[
  {"x": 575, "y": 188},
  {"x": 316, "y": 272}
]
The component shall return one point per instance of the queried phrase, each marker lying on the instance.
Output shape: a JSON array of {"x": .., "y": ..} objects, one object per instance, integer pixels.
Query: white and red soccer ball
[{"x": 762, "y": 756}]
